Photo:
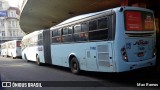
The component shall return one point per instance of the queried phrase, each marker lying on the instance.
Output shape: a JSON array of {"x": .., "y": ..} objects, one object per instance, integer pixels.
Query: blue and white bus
[{"x": 115, "y": 40}]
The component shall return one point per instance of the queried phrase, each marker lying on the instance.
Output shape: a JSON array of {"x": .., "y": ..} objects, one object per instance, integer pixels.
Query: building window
[
  {"x": 12, "y": 14},
  {"x": 10, "y": 34},
  {"x": 9, "y": 23},
  {"x": 17, "y": 24},
  {"x": 12, "y": 25},
  {"x": 14, "y": 34},
  {"x": 1, "y": 23},
  {"x": 1, "y": 4},
  {"x": 3, "y": 33}
]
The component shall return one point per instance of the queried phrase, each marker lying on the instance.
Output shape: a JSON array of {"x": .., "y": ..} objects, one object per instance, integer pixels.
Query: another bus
[
  {"x": 11, "y": 49},
  {"x": 3, "y": 49},
  {"x": 32, "y": 46},
  {"x": 115, "y": 40}
]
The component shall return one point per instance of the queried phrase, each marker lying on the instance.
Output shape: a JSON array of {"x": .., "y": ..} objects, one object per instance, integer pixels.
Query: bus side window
[
  {"x": 59, "y": 32},
  {"x": 100, "y": 33},
  {"x": 93, "y": 25},
  {"x": 39, "y": 41},
  {"x": 77, "y": 28},
  {"x": 102, "y": 23},
  {"x": 56, "y": 36},
  {"x": 70, "y": 30},
  {"x": 79, "y": 34},
  {"x": 64, "y": 31},
  {"x": 54, "y": 33},
  {"x": 85, "y": 26},
  {"x": 67, "y": 35}
]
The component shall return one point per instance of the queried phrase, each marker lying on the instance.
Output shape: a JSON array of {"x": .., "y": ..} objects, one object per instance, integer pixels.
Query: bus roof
[
  {"x": 96, "y": 13},
  {"x": 83, "y": 16},
  {"x": 32, "y": 34}
]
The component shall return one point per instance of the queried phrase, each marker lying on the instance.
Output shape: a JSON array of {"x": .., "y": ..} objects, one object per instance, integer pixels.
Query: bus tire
[
  {"x": 13, "y": 56},
  {"x": 74, "y": 66},
  {"x": 25, "y": 58},
  {"x": 38, "y": 60},
  {"x": 7, "y": 56}
]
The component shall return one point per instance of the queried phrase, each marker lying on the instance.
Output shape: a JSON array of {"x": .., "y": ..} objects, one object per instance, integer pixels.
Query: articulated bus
[
  {"x": 115, "y": 40},
  {"x": 11, "y": 49}
]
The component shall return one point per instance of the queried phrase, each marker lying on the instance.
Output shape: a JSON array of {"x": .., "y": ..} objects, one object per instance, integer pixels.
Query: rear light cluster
[
  {"x": 124, "y": 54},
  {"x": 154, "y": 52}
]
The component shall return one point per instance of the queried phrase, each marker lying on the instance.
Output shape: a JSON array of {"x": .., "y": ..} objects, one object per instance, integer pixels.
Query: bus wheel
[
  {"x": 6, "y": 56},
  {"x": 25, "y": 58},
  {"x": 13, "y": 56},
  {"x": 38, "y": 60},
  {"x": 74, "y": 65}
]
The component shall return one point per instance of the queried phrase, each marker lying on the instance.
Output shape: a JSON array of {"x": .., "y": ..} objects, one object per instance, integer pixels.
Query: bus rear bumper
[{"x": 128, "y": 66}]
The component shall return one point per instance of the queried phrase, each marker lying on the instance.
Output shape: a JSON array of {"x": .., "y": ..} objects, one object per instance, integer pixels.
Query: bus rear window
[
  {"x": 139, "y": 21},
  {"x": 18, "y": 43}
]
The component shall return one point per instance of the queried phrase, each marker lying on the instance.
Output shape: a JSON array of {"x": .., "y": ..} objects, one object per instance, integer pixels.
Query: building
[{"x": 9, "y": 22}]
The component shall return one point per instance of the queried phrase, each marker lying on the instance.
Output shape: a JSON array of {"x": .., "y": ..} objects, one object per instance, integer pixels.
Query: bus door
[
  {"x": 91, "y": 58},
  {"x": 18, "y": 46},
  {"x": 105, "y": 56}
]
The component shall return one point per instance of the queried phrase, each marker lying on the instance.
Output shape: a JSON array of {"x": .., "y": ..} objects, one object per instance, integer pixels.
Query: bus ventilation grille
[{"x": 103, "y": 55}]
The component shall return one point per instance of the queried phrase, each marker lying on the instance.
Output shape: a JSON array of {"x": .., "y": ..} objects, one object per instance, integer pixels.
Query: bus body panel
[
  {"x": 139, "y": 49},
  {"x": 31, "y": 53},
  {"x": 93, "y": 56}
]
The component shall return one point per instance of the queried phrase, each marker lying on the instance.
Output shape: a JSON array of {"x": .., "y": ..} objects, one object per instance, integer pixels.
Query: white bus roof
[{"x": 95, "y": 13}]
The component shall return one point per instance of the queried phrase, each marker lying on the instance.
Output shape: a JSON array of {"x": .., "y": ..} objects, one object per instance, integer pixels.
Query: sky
[{"x": 13, "y": 3}]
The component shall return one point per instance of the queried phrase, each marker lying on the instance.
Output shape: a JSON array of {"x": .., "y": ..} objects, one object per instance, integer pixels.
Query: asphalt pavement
[{"x": 59, "y": 78}]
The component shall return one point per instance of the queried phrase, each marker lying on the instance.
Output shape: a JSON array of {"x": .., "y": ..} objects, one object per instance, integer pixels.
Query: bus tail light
[
  {"x": 124, "y": 54},
  {"x": 154, "y": 52}
]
